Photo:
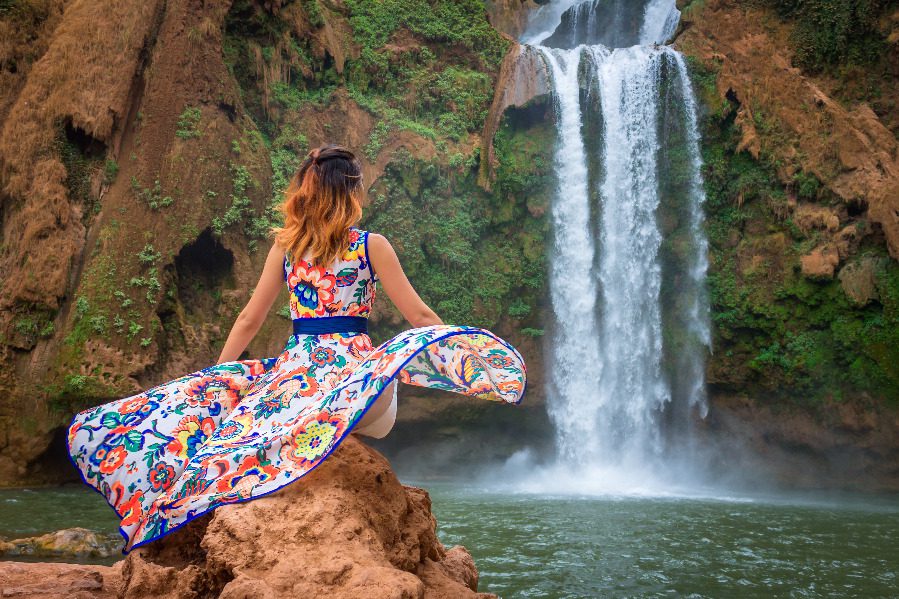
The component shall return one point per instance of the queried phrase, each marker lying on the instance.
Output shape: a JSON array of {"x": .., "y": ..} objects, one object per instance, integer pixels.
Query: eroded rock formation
[
  {"x": 348, "y": 529},
  {"x": 847, "y": 148}
]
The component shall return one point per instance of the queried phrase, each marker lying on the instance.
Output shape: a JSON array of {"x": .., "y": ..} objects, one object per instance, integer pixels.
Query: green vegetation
[
  {"x": 152, "y": 196},
  {"x": 110, "y": 171},
  {"x": 240, "y": 202},
  {"x": 148, "y": 255},
  {"x": 775, "y": 331},
  {"x": 188, "y": 123},
  {"x": 832, "y": 32},
  {"x": 457, "y": 242}
]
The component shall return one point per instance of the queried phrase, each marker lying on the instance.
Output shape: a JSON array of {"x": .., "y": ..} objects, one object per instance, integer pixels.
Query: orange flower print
[
  {"x": 113, "y": 459},
  {"x": 132, "y": 510},
  {"x": 161, "y": 475},
  {"x": 312, "y": 289},
  {"x": 203, "y": 391},
  {"x": 498, "y": 359},
  {"x": 190, "y": 433},
  {"x": 235, "y": 431},
  {"x": 312, "y": 438},
  {"x": 254, "y": 367},
  {"x": 359, "y": 345},
  {"x": 133, "y": 404},
  {"x": 249, "y": 475}
]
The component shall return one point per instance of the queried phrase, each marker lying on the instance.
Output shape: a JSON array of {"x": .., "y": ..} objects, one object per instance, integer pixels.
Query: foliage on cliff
[
  {"x": 139, "y": 184},
  {"x": 852, "y": 42},
  {"x": 779, "y": 333},
  {"x": 421, "y": 77}
]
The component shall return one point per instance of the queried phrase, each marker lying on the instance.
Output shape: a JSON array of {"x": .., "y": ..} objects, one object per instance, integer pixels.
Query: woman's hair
[{"x": 322, "y": 201}]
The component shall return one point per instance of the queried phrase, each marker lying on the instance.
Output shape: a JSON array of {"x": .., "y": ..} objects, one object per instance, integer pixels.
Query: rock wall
[
  {"x": 803, "y": 205},
  {"x": 142, "y": 152},
  {"x": 141, "y": 157}
]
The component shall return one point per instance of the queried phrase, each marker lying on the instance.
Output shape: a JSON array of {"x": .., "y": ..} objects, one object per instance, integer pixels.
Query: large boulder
[{"x": 347, "y": 529}]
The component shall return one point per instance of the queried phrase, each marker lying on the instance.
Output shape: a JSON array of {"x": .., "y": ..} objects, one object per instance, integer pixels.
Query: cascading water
[{"x": 628, "y": 260}]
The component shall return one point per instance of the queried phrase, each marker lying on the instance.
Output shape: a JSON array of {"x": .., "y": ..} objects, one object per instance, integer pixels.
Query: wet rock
[
  {"x": 74, "y": 543},
  {"x": 522, "y": 77}
]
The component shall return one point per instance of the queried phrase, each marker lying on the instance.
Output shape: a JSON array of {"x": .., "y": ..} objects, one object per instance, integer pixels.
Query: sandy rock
[
  {"x": 349, "y": 529},
  {"x": 459, "y": 565},
  {"x": 59, "y": 581},
  {"x": 820, "y": 263}
]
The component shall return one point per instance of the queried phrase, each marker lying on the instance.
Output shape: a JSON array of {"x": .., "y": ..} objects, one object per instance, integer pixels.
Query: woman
[{"x": 241, "y": 429}]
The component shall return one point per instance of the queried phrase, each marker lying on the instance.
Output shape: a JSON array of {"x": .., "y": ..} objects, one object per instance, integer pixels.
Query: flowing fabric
[{"x": 239, "y": 430}]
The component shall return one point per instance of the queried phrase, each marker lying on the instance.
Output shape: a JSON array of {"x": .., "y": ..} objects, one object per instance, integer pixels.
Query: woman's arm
[
  {"x": 253, "y": 315},
  {"x": 385, "y": 263}
]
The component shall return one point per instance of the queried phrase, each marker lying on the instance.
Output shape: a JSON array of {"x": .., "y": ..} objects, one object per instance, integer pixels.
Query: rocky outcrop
[
  {"x": 847, "y": 148},
  {"x": 523, "y": 76},
  {"x": 348, "y": 529},
  {"x": 851, "y": 445},
  {"x": 511, "y": 16},
  {"x": 112, "y": 156}
]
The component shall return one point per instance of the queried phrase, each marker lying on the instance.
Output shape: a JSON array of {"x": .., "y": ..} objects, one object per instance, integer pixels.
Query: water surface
[{"x": 530, "y": 545}]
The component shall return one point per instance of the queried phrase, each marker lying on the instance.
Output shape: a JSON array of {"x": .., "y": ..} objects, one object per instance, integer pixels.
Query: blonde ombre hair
[{"x": 321, "y": 203}]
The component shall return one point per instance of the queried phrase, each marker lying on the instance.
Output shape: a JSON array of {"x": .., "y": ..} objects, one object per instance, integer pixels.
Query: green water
[{"x": 555, "y": 547}]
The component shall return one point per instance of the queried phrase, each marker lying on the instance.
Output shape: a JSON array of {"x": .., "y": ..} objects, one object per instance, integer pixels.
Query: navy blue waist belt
[{"x": 330, "y": 324}]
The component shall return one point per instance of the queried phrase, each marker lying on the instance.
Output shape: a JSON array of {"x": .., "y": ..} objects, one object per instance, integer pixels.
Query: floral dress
[{"x": 243, "y": 429}]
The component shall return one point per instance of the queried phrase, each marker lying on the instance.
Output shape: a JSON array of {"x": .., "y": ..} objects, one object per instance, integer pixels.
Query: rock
[
  {"x": 809, "y": 217},
  {"x": 59, "y": 581},
  {"x": 859, "y": 280},
  {"x": 459, "y": 565},
  {"x": 354, "y": 528},
  {"x": 847, "y": 146},
  {"x": 349, "y": 529},
  {"x": 820, "y": 263},
  {"x": 74, "y": 543},
  {"x": 523, "y": 76}
]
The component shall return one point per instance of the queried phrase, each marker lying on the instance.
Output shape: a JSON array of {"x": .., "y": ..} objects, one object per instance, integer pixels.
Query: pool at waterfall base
[{"x": 554, "y": 546}]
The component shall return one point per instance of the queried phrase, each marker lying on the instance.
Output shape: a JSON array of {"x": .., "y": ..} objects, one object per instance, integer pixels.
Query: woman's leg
[{"x": 374, "y": 422}]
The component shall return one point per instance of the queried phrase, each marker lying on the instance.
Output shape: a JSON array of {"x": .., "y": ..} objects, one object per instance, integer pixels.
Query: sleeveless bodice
[{"x": 345, "y": 288}]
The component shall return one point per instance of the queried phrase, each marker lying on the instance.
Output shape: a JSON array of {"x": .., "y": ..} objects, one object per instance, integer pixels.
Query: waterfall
[{"x": 628, "y": 262}]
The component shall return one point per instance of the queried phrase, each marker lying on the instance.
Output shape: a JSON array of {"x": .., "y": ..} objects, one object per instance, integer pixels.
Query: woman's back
[{"x": 345, "y": 288}]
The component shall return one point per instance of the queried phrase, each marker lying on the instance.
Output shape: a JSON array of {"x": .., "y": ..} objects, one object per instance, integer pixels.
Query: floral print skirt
[{"x": 239, "y": 430}]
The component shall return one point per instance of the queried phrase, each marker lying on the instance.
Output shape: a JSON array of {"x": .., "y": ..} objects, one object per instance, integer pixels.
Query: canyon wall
[{"x": 142, "y": 153}]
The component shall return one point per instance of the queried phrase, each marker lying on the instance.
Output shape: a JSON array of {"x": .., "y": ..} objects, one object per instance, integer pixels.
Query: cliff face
[
  {"x": 802, "y": 174},
  {"x": 348, "y": 529},
  {"x": 803, "y": 211},
  {"x": 142, "y": 151},
  {"x": 141, "y": 156}
]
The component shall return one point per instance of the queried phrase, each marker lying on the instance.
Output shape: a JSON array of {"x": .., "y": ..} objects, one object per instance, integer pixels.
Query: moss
[
  {"x": 776, "y": 332},
  {"x": 475, "y": 257},
  {"x": 832, "y": 32}
]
